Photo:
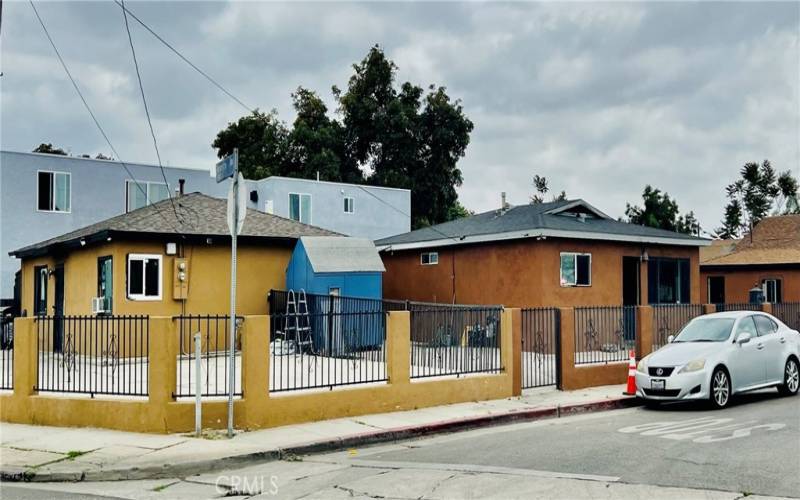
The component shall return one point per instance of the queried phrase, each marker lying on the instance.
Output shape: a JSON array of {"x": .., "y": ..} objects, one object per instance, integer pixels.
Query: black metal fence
[
  {"x": 93, "y": 354},
  {"x": 454, "y": 340},
  {"x": 7, "y": 353},
  {"x": 669, "y": 319},
  {"x": 541, "y": 349},
  {"x": 604, "y": 334},
  {"x": 215, "y": 363},
  {"x": 738, "y": 306},
  {"x": 325, "y": 341},
  {"x": 789, "y": 313}
]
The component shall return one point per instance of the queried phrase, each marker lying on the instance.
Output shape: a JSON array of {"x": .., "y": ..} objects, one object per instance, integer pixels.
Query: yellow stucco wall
[
  {"x": 160, "y": 412},
  {"x": 260, "y": 268}
]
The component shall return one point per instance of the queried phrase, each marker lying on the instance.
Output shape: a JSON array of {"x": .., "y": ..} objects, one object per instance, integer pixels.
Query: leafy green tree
[
  {"x": 49, "y": 149},
  {"x": 758, "y": 193},
  {"x": 541, "y": 187},
  {"x": 731, "y": 223},
  {"x": 263, "y": 142},
  {"x": 318, "y": 143},
  {"x": 458, "y": 211},
  {"x": 662, "y": 212},
  {"x": 404, "y": 137}
]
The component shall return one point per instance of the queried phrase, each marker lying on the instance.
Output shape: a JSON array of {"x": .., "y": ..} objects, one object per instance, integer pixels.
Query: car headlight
[
  {"x": 693, "y": 366},
  {"x": 642, "y": 366}
]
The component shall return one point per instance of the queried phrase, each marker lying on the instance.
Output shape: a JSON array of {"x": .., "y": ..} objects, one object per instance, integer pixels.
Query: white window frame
[
  {"x": 433, "y": 258},
  {"x": 300, "y": 207},
  {"x": 764, "y": 288},
  {"x": 53, "y": 192},
  {"x": 147, "y": 184},
  {"x": 141, "y": 297},
  {"x": 352, "y": 205},
  {"x": 575, "y": 262}
]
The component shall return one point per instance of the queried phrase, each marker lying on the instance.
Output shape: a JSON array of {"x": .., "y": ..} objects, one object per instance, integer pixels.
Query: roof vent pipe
[
  {"x": 503, "y": 204},
  {"x": 181, "y": 184}
]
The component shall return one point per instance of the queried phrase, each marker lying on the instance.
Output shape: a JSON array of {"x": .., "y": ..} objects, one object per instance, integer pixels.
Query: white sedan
[{"x": 718, "y": 355}]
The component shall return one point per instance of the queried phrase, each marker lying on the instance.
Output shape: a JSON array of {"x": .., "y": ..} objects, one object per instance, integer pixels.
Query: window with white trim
[
  {"x": 348, "y": 205},
  {"x": 142, "y": 193},
  {"x": 300, "y": 207},
  {"x": 429, "y": 258},
  {"x": 576, "y": 269},
  {"x": 54, "y": 191},
  {"x": 772, "y": 290},
  {"x": 144, "y": 277}
]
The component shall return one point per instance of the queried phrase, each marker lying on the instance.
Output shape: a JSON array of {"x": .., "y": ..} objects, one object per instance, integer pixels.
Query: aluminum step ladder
[{"x": 297, "y": 322}]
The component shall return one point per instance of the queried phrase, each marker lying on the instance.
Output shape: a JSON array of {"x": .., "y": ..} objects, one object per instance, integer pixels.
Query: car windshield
[{"x": 706, "y": 330}]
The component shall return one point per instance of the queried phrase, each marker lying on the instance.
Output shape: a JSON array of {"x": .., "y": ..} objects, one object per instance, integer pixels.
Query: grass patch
[
  {"x": 210, "y": 434},
  {"x": 163, "y": 487},
  {"x": 73, "y": 454}
]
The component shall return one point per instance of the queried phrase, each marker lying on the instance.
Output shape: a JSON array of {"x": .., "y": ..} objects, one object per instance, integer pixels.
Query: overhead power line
[
  {"x": 147, "y": 111},
  {"x": 184, "y": 58},
  {"x": 91, "y": 113}
]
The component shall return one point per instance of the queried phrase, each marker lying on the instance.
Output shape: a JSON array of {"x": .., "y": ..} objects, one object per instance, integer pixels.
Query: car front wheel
[
  {"x": 720, "y": 389},
  {"x": 791, "y": 378}
]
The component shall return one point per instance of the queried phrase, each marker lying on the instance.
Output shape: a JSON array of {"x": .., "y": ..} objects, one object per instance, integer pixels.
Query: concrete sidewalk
[{"x": 35, "y": 453}]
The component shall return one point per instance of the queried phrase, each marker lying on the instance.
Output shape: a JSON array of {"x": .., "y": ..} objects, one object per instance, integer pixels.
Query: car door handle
[
  {"x": 783, "y": 340},
  {"x": 760, "y": 346}
]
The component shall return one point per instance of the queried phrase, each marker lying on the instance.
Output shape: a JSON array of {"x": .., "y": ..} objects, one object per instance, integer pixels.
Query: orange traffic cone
[{"x": 631, "y": 390}]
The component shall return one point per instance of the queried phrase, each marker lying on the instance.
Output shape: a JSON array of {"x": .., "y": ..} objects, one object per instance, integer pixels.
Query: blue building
[
  {"x": 333, "y": 271},
  {"x": 339, "y": 266},
  {"x": 44, "y": 195},
  {"x": 357, "y": 210}
]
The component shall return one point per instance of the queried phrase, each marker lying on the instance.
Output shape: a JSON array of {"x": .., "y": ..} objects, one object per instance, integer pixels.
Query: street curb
[{"x": 16, "y": 474}]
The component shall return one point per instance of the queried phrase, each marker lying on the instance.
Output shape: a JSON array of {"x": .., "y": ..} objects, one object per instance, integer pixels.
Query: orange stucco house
[
  {"x": 767, "y": 258},
  {"x": 563, "y": 253}
]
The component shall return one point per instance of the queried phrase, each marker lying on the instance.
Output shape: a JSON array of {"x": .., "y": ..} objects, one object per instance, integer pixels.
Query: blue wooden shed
[{"x": 343, "y": 267}]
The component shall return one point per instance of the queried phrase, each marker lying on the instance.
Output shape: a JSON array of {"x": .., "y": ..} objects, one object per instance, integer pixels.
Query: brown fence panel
[{"x": 789, "y": 313}]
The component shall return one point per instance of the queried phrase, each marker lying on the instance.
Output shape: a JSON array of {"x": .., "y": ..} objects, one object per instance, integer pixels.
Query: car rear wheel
[
  {"x": 720, "y": 389},
  {"x": 791, "y": 378}
]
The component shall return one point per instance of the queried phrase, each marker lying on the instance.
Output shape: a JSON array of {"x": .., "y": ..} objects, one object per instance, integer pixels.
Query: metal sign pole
[
  {"x": 232, "y": 345},
  {"x": 198, "y": 387}
]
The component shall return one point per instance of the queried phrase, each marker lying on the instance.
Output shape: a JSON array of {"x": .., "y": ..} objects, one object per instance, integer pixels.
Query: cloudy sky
[{"x": 600, "y": 98}]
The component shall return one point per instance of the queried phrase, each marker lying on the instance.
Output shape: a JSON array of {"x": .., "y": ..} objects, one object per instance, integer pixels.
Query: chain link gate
[{"x": 541, "y": 349}]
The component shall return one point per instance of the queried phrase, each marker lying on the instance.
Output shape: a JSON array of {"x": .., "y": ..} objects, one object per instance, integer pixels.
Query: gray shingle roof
[
  {"x": 342, "y": 254},
  {"x": 197, "y": 215},
  {"x": 544, "y": 217}
]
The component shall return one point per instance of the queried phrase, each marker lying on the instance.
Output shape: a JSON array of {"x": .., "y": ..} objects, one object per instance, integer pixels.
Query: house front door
[
  {"x": 630, "y": 295},
  {"x": 58, "y": 309}
]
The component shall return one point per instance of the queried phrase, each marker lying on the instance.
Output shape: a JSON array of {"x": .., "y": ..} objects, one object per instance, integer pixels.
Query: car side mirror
[
  {"x": 670, "y": 339},
  {"x": 743, "y": 338}
]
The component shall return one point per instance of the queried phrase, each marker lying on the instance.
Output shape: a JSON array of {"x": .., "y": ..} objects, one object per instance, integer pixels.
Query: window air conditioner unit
[{"x": 99, "y": 305}]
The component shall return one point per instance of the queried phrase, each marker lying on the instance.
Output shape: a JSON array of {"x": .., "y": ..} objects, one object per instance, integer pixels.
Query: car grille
[
  {"x": 666, "y": 371},
  {"x": 670, "y": 393}
]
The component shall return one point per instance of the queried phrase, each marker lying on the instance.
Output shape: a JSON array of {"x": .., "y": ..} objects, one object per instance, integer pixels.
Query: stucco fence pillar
[{"x": 575, "y": 377}]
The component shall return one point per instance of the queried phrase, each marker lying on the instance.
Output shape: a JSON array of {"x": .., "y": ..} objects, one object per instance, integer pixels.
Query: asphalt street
[
  {"x": 751, "y": 447},
  {"x": 679, "y": 451}
]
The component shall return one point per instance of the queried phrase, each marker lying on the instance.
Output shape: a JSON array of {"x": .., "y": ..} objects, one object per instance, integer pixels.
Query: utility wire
[
  {"x": 184, "y": 58},
  {"x": 127, "y": 11},
  {"x": 91, "y": 113},
  {"x": 147, "y": 112}
]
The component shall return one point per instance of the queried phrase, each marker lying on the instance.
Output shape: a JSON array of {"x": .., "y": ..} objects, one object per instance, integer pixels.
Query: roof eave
[{"x": 546, "y": 233}]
